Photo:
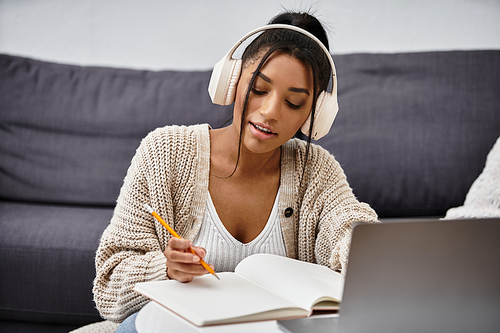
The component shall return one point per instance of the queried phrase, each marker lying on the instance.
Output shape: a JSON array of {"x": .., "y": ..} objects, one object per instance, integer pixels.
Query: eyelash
[
  {"x": 258, "y": 92},
  {"x": 294, "y": 106},
  {"x": 291, "y": 105}
]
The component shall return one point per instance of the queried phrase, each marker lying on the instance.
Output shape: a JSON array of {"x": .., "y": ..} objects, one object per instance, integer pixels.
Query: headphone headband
[
  {"x": 226, "y": 73},
  {"x": 283, "y": 26}
]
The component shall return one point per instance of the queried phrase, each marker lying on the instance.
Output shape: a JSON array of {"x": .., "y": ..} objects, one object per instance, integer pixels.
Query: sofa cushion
[
  {"x": 25, "y": 327},
  {"x": 47, "y": 262},
  {"x": 68, "y": 133},
  {"x": 413, "y": 130}
]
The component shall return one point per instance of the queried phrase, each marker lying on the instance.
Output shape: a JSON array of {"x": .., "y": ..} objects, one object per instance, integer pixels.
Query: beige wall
[{"x": 194, "y": 34}]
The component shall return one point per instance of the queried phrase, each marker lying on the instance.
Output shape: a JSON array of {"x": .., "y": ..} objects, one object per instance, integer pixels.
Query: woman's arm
[
  {"x": 130, "y": 249},
  {"x": 164, "y": 173},
  {"x": 330, "y": 210}
]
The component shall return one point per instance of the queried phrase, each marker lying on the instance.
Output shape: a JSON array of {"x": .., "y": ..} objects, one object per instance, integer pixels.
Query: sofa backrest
[
  {"x": 412, "y": 133},
  {"x": 68, "y": 133},
  {"x": 414, "y": 129}
]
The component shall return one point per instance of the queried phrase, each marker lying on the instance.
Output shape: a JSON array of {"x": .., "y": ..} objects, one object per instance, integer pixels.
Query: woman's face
[{"x": 279, "y": 103}]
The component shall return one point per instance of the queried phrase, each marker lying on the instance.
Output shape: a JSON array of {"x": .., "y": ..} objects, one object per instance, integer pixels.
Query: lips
[
  {"x": 261, "y": 131},
  {"x": 263, "y": 128}
]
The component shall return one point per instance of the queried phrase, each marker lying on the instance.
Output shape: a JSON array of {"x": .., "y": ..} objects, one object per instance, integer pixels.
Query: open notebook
[{"x": 263, "y": 287}]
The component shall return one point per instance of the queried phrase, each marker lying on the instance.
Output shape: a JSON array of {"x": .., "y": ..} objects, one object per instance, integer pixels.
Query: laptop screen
[{"x": 426, "y": 276}]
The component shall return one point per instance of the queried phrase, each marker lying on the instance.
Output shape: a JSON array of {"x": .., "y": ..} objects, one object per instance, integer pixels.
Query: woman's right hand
[{"x": 182, "y": 265}]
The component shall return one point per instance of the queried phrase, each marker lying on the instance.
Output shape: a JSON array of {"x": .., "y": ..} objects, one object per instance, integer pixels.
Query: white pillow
[{"x": 483, "y": 199}]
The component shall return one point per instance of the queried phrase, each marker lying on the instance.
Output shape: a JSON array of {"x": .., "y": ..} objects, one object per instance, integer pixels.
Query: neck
[{"x": 224, "y": 156}]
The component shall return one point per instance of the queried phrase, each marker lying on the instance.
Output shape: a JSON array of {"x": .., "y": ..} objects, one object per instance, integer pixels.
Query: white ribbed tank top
[{"x": 225, "y": 252}]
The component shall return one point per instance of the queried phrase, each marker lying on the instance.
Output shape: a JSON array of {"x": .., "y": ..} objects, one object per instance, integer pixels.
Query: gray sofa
[{"x": 412, "y": 134}]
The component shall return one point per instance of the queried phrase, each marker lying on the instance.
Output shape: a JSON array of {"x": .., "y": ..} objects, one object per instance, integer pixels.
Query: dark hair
[{"x": 294, "y": 44}]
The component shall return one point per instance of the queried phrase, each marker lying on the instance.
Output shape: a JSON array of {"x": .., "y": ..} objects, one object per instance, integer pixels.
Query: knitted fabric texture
[
  {"x": 170, "y": 172},
  {"x": 483, "y": 198}
]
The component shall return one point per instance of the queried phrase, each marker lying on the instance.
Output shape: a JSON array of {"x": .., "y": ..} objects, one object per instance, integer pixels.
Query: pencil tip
[{"x": 216, "y": 276}]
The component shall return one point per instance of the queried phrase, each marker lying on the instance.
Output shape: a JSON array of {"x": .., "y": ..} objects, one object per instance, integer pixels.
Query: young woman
[{"x": 246, "y": 188}]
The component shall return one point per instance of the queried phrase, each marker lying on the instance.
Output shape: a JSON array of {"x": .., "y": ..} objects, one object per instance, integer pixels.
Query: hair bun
[{"x": 305, "y": 21}]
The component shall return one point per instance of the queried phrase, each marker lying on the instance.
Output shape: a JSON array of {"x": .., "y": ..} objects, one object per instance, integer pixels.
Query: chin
[{"x": 260, "y": 147}]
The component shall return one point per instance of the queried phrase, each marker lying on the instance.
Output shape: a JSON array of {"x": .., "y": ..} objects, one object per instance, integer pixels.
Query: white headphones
[{"x": 226, "y": 73}]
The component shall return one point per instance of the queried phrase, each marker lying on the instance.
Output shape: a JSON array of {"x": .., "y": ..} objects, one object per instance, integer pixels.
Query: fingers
[
  {"x": 182, "y": 264},
  {"x": 200, "y": 252}
]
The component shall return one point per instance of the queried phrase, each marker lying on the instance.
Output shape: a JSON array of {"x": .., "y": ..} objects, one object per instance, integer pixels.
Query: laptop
[{"x": 418, "y": 276}]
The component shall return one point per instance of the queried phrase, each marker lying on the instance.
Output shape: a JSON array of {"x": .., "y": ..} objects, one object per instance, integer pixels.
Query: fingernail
[{"x": 196, "y": 258}]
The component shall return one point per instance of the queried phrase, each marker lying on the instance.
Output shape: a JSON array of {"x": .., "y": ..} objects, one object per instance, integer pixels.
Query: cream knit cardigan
[{"x": 170, "y": 172}]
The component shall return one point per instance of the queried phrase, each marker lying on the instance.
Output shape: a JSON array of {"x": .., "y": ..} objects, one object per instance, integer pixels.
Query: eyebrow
[{"x": 292, "y": 89}]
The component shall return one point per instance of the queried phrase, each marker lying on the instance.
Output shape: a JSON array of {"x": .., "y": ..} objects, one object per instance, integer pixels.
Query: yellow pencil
[{"x": 172, "y": 231}]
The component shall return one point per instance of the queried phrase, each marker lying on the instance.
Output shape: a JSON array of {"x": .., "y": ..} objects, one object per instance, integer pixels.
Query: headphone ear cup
[
  {"x": 319, "y": 107},
  {"x": 232, "y": 83},
  {"x": 223, "y": 81},
  {"x": 326, "y": 111}
]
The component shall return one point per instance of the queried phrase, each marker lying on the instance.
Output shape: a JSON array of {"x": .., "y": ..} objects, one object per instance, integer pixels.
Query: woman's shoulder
[
  {"x": 179, "y": 132},
  {"x": 174, "y": 139},
  {"x": 316, "y": 153},
  {"x": 318, "y": 162}
]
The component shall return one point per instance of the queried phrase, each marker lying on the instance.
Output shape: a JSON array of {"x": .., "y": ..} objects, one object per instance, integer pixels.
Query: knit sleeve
[
  {"x": 340, "y": 211},
  {"x": 130, "y": 249},
  {"x": 331, "y": 209}
]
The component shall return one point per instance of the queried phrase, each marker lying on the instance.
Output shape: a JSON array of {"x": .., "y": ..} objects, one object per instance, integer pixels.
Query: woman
[{"x": 238, "y": 190}]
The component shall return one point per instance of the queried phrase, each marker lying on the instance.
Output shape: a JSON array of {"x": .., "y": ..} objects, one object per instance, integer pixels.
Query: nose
[{"x": 270, "y": 107}]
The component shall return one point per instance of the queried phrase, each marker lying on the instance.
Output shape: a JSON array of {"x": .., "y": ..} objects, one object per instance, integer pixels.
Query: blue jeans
[{"x": 128, "y": 325}]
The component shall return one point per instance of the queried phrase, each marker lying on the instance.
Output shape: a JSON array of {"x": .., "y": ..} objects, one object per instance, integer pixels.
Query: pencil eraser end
[{"x": 148, "y": 208}]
